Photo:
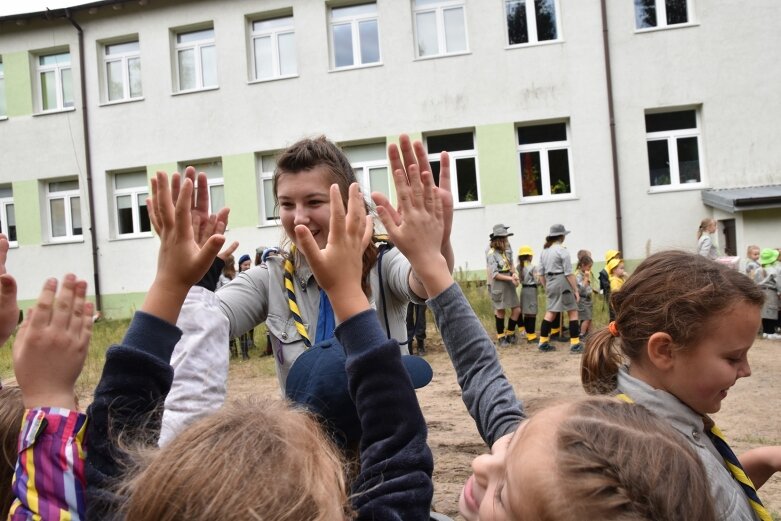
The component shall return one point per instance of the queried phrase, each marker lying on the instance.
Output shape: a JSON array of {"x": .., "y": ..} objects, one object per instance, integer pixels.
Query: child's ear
[{"x": 660, "y": 350}]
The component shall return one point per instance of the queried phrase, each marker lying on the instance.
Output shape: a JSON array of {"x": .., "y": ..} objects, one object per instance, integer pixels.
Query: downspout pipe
[
  {"x": 611, "y": 115},
  {"x": 88, "y": 164}
]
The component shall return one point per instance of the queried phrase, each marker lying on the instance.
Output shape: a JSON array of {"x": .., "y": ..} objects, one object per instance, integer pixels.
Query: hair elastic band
[{"x": 612, "y": 328}]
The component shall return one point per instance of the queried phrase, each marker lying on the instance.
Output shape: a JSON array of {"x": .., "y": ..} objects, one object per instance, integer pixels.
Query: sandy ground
[{"x": 746, "y": 417}]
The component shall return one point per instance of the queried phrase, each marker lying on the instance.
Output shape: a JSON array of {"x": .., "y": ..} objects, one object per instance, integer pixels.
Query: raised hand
[
  {"x": 52, "y": 343},
  {"x": 339, "y": 266},
  {"x": 9, "y": 310}
]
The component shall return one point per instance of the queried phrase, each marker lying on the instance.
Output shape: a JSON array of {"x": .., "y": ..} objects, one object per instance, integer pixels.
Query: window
[
  {"x": 354, "y": 35},
  {"x": 64, "y": 205},
  {"x": 130, "y": 193},
  {"x": 661, "y": 13},
  {"x": 55, "y": 82},
  {"x": 463, "y": 165},
  {"x": 274, "y": 48},
  {"x": 216, "y": 184},
  {"x": 196, "y": 60},
  {"x": 123, "y": 71},
  {"x": 530, "y": 21},
  {"x": 3, "y": 109},
  {"x": 673, "y": 148},
  {"x": 440, "y": 27},
  {"x": 7, "y": 214},
  {"x": 543, "y": 152},
  {"x": 370, "y": 165},
  {"x": 266, "y": 164}
]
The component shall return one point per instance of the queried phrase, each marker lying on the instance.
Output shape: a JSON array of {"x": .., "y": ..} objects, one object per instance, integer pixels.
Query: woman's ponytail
[{"x": 600, "y": 363}]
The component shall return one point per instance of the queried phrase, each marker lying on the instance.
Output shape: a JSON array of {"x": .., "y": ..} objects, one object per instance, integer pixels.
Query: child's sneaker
[
  {"x": 511, "y": 338},
  {"x": 576, "y": 349},
  {"x": 502, "y": 342},
  {"x": 546, "y": 347}
]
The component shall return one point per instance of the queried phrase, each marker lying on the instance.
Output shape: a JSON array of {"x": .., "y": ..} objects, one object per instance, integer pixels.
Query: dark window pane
[
  {"x": 467, "y": 179},
  {"x": 659, "y": 162},
  {"x": 125, "y": 220},
  {"x": 516, "y": 22},
  {"x": 558, "y": 164},
  {"x": 670, "y": 121},
  {"x": 645, "y": 13},
  {"x": 545, "y": 11},
  {"x": 542, "y": 133},
  {"x": 531, "y": 182},
  {"x": 688, "y": 160},
  {"x": 676, "y": 12},
  {"x": 435, "y": 171},
  {"x": 143, "y": 214},
  {"x": 11, "y": 222},
  {"x": 450, "y": 142}
]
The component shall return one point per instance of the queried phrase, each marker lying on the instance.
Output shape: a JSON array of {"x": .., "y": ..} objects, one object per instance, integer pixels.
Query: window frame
[
  {"x": 124, "y": 59},
  {"x": 197, "y": 46},
  {"x": 274, "y": 34},
  {"x": 5, "y": 202},
  {"x": 133, "y": 192},
  {"x": 532, "y": 28},
  {"x": 67, "y": 196},
  {"x": 211, "y": 182},
  {"x": 661, "y": 14},
  {"x": 354, "y": 22},
  {"x": 438, "y": 9},
  {"x": 58, "y": 70},
  {"x": 672, "y": 136},
  {"x": 455, "y": 155},
  {"x": 545, "y": 176},
  {"x": 262, "y": 176}
]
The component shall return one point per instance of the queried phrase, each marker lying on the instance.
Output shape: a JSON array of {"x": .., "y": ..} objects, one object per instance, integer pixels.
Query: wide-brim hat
[
  {"x": 768, "y": 256},
  {"x": 611, "y": 254},
  {"x": 500, "y": 230},
  {"x": 318, "y": 381},
  {"x": 525, "y": 250},
  {"x": 556, "y": 230}
]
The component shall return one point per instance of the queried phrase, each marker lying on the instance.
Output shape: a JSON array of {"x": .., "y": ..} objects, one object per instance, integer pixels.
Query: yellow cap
[
  {"x": 611, "y": 254},
  {"x": 612, "y": 263},
  {"x": 525, "y": 250}
]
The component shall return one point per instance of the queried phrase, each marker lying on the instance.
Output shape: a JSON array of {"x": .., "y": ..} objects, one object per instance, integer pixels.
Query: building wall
[{"x": 710, "y": 65}]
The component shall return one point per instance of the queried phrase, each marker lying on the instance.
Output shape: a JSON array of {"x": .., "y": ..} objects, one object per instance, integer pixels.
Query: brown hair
[
  {"x": 584, "y": 260},
  {"x": 617, "y": 461},
  {"x": 673, "y": 292},
  {"x": 307, "y": 154},
  {"x": 499, "y": 244},
  {"x": 703, "y": 225},
  {"x": 229, "y": 270},
  {"x": 550, "y": 239},
  {"x": 249, "y": 460},
  {"x": 11, "y": 415}
]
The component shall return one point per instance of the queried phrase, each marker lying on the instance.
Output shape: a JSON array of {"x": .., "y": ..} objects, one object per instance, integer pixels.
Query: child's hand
[
  {"x": 52, "y": 343},
  {"x": 339, "y": 266},
  {"x": 9, "y": 310}
]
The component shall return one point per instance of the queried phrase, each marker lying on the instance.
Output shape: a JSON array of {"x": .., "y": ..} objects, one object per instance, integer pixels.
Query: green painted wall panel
[
  {"x": 121, "y": 305},
  {"x": 18, "y": 89},
  {"x": 241, "y": 192},
  {"x": 498, "y": 164},
  {"x": 28, "y": 212}
]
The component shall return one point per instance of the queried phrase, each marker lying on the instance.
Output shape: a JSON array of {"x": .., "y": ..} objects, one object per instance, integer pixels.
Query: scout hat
[
  {"x": 556, "y": 230},
  {"x": 525, "y": 250},
  {"x": 611, "y": 254},
  {"x": 768, "y": 256},
  {"x": 500, "y": 230}
]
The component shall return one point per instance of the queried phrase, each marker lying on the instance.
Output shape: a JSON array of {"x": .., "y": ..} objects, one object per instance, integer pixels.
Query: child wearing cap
[
  {"x": 604, "y": 281},
  {"x": 529, "y": 275},
  {"x": 503, "y": 284},
  {"x": 767, "y": 279},
  {"x": 617, "y": 274}
]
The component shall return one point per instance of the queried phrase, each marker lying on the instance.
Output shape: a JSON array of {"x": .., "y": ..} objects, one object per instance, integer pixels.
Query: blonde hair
[
  {"x": 617, "y": 461},
  {"x": 250, "y": 460},
  {"x": 11, "y": 415},
  {"x": 704, "y": 225},
  {"x": 672, "y": 292}
]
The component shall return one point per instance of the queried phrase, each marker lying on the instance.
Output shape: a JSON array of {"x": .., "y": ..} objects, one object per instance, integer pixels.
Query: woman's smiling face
[{"x": 304, "y": 199}]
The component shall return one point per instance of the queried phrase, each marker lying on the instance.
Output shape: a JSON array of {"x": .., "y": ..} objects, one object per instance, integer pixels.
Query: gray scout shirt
[{"x": 730, "y": 501}]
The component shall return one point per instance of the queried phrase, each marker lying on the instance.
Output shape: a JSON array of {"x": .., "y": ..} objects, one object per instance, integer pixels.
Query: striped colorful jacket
[{"x": 49, "y": 481}]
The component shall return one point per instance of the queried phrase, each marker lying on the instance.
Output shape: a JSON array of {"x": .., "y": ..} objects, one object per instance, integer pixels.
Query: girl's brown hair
[
  {"x": 672, "y": 292},
  {"x": 499, "y": 243},
  {"x": 247, "y": 461},
  {"x": 704, "y": 225},
  {"x": 11, "y": 415},
  {"x": 617, "y": 461},
  {"x": 583, "y": 261},
  {"x": 229, "y": 270},
  {"x": 307, "y": 154}
]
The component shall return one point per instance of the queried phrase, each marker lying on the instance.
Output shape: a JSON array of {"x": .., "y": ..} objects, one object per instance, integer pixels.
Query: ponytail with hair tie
[{"x": 601, "y": 361}]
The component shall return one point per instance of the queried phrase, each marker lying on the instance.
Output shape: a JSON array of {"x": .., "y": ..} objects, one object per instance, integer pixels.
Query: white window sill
[
  {"x": 132, "y": 236},
  {"x": 270, "y": 224},
  {"x": 120, "y": 101},
  {"x": 666, "y": 27},
  {"x": 443, "y": 55},
  {"x": 533, "y": 44},
  {"x": 548, "y": 198},
  {"x": 354, "y": 67},
  {"x": 3, "y": 118},
  {"x": 64, "y": 240},
  {"x": 53, "y": 111},
  {"x": 13, "y": 244},
  {"x": 275, "y": 78},
  {"x": 467, "y": 206},
  {"x": 192, "y": 91},
  {"x": 681, "y": 187}
]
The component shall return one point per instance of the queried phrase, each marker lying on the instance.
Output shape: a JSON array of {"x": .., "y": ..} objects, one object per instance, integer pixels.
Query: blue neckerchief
[{"x": 325, "y": 319}]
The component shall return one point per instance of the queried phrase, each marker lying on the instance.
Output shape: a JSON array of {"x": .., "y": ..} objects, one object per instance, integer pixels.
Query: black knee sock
[
  {"x": 545, "y": 328},
  {"x": 499, "y": 326},
  {"x": 511, "y": 325},
  {"x": 574, "y": 330},
  {"x": 529, "y": 324}
]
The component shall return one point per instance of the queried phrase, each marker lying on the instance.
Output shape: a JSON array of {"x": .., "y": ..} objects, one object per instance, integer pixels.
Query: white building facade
[{"x": 95, "y": 99}]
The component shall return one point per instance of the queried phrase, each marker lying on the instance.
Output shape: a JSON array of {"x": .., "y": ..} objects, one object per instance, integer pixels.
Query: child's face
[
  {"x": 754, "y": 254},
  {"x": 702, "y": 375},
  {"x": 304, "y": 198},
  {"x": 244, "y": 266},
  {"x": 618, "y": 271},
  {"x": 586, "y": 268},
  {"x": 510, "y": 482}
]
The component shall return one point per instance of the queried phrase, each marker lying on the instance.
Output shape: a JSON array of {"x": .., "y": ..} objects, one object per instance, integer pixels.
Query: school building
[{"x": 627, "y": 121}]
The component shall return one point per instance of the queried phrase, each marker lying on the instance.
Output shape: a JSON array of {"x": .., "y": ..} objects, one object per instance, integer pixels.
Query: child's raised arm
[{"x": 9, "y": 310}]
